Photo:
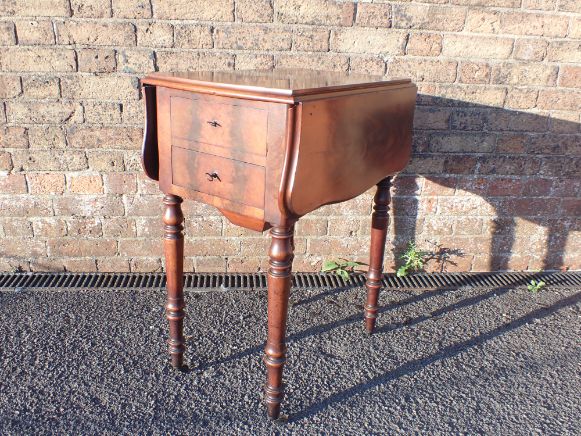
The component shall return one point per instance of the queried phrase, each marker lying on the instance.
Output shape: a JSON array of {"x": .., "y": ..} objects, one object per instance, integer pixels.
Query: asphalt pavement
[{"x": 464, "y": 361}]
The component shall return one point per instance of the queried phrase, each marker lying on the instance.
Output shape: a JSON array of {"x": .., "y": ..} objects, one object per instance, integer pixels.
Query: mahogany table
[{"x": 266, "y": 148}]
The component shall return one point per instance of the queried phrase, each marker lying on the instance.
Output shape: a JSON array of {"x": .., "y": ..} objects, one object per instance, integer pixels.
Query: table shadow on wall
[{"x": 524, "y": 165}]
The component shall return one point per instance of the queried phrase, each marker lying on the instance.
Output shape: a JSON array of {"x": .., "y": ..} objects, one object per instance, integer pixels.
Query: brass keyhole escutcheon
[{"x": 213, "y": 175}]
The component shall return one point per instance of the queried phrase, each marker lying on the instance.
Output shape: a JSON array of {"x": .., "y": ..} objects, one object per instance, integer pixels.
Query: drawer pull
[
  {"x": 213, "y": 175},
  {"x": 214, "y": 123}
]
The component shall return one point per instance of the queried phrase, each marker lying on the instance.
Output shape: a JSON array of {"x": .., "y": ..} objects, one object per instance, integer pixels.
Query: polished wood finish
[
  {"x": 173, "y": 246},
  {"x": 279, "y": 282},
  {"x": 379, "y": 224},
  {"x": 266, "y": 148}
]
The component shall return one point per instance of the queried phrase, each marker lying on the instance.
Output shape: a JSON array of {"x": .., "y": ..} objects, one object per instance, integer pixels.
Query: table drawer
[
  {"x": 225, "y": 127},
  {"x": 235, "y": 181}
]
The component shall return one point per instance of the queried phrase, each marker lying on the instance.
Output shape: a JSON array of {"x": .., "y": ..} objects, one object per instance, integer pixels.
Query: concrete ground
[{"x": 465, "y": 361}]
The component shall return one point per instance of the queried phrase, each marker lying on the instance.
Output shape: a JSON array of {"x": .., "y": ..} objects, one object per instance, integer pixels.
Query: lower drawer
[{"x": 229, "y": 179}]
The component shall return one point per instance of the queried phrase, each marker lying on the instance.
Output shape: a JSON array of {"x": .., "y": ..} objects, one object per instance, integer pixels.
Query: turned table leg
[
  {"x": 379, "y": 222},
  {"x": 173, "y": 246},
  {"x": 279, "y": 283}
]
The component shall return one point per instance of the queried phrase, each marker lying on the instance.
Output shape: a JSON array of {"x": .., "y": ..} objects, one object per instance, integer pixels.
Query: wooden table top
[{"x": 283, "y": 85}]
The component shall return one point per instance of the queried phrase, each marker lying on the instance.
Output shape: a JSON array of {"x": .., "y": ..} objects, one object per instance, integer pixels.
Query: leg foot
[
  {"x": 379, "y": 222},
  {"x": 279, "y": 282},
  {"x": 173, "y": 219}
]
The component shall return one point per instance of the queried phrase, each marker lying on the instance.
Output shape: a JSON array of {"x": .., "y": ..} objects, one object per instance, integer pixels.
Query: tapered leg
[
  {"x": 173, "y": 245},
  {"x": 379, "y": 222},
  {"x": 279, "y": 283}
]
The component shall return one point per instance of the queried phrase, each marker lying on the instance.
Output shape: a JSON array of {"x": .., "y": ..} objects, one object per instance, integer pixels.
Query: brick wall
[{"x": 496, "y": 168}]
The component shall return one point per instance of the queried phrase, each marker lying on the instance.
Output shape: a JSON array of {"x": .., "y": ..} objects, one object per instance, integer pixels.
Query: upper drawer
[{"x": 225, "y": 127}]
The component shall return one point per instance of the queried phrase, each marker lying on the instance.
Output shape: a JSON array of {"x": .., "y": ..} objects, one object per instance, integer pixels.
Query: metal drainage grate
[{"x": 257, "y": 281}]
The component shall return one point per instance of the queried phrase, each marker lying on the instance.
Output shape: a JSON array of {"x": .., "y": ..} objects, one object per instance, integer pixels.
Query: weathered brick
[
  {"x": 523, "y": 23},
  {"x": 367, "y": 65},
  {"x": 524, "y": 74},
  {"x": 87, "y": 227},
  {"x": 46, "y": 137},
  {"x": 113, "y": 264},
  {"x": 341, "y": 226},
  {"x": 33, "y": 112},
  {"x": 462, "y": 143},
  {"x": 424, "y": 44},
  {"x": 210, "y": 264},
  {"x": 49, "y": 160},
  {"x": 105, "y": 161},
  {"x": 530, "y": 49},
  {"x": 49, "y": 227},
  {"x": 308, "y": 39},
  {"x": 95, "y": 33},
  {"x": 46, "y": 183},
  {"x": 564, "y": 51},
  {"x": 131, "y": 9},
  {"x": 250, "y": 61},
  {"x": 140, "y": 247},
  {"x": 90, "y": 8},
  {"x": 248, "y": 37},
  {"x": 217, "y": 10},
  {"x": 564, "y": 122},
  {"x": 104, "y": 137},
  {"x": 96, "y": 60},
  {"x": 482, "y": 21},
  {"x": 465, "y": 94},
  {"x": 570, "y": 76},
  {"x": 423, "y": 69},
  {"x": 373, "y": 15},
  {"x": 34, "y": 32},
  {"x": 30, "y": 8},
  {"x": 489, "y": 3},
  {"x": 12, "y": 184},
  {"x": 81, "y": 247},
  {"x": 100, "y": 87},
  {"x": 51, "y": 60},
  {"x": 88, "y": 205},
  {"x": 98, "y": 112},
  {"x": 7, "y": 33},
  {"x": 430, "y": 17},
  {"x": 10, "y": 86},
  {"x": 430, "y": 118},
  {"x": 325, "y": 12},
  {"x": 569, "y": 6},
  {"x": 311, "y": 227},
  {"x": 482, "y": 47},
  {"x": 331, "y": 62},
  {"x": 118, "y": 227},
  {"x": 255, "y": 11},
  {"x": 357, "y": 40},
  {"x": 85, "y": 183},
  {"x": 120, "y": 183},
  {"x": 135, "y": 61},
  {"x": 566, "y": 99},
  {"x": 41, "y": 87},
  {"x": 574, "y": 28},
  {"x": 17, "y": 247},
  {"x": 13, "y": 137},
  {"x": 146, "y": 264},
  {"x": 154, "y": 34},
  {"x": 6, "y": 161},
  {"x": 193, "y": 36},
  {"x": 519, "y": 98},
  {"x": 25, "y": 205},
  {"x": 192, "y": 61},
  {"x": 474, "y": 72},
  {"x": 542, "y": 5}
]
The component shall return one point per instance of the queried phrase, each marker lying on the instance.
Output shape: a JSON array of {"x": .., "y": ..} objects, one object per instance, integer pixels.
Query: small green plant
[
  {"x": 342, "y": 267},
  {"x": 414, "y": 260},
  {"x": 536, "y": 285}
]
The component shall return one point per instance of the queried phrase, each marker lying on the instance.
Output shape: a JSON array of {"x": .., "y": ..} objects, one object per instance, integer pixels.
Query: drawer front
[
  {"x": 235, "y": 181},
  {"x": 218, "y": 126}
]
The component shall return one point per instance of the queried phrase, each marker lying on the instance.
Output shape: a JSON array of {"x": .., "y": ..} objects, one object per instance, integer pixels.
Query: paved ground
[{"x": 464, "y": 361}]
